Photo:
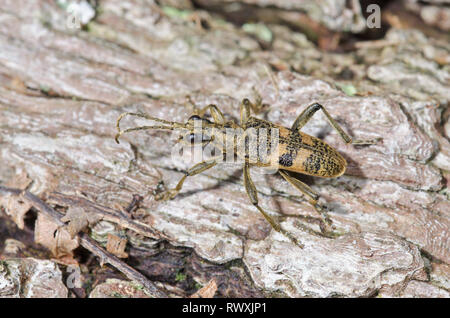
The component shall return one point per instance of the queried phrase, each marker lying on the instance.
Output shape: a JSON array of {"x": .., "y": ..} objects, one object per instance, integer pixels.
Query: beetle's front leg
[
  {"x": 198, "y": 168},
  {"x": 309, "y": 112},
  {"x": 246, "y": 106},
  {"x": 213, "y": 109},
  {"x": 245, "y": 111},
  {"x": 215, "y": 113}
]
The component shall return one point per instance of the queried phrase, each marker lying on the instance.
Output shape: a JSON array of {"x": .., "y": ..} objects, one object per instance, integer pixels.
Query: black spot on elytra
[{"x": 285, "y": 160}]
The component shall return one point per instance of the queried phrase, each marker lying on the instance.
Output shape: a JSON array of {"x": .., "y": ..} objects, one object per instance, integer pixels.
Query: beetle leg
[
  {"x": 191, "y": 102},
  {"x": 215, "y": 113},
  {"x": 258, "y": 106},
  {"x": 246, "y": 105},
  {"x": 307, "y": 114},
  {"x": 213, "y": 109},
  {"x": 245, "y": 110},
  {"x": 252, "y": 194},
  {"x": 302, "y": 187},
  {"x": 198, "y": 168},
  {"x": 313, "y": 197}
]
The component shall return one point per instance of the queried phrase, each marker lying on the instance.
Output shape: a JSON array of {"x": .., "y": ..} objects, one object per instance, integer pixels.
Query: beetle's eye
[
  {"x": 197, "y": 138},
  {"x": 194, "y": 138},
  {"x": 191, "y": 138},
  {"x": 195, "y": 117}
]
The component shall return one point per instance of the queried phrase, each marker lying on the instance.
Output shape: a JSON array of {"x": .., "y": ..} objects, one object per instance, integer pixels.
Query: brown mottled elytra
[{"x": 294, "y": 152}]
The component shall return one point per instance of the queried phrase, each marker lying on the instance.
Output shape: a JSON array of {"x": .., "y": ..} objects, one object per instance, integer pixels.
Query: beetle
[{"x": 295, "y": 152}]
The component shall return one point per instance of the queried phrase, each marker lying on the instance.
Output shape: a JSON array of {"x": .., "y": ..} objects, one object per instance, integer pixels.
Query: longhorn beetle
[{"x": 295, "y": 151}]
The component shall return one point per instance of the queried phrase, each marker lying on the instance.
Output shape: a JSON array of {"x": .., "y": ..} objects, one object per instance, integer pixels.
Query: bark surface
[{"x": 62, "y": 89}]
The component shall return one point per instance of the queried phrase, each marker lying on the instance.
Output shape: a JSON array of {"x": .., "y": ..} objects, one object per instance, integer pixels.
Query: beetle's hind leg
[
  {"x": 252, "y": 194},
  {"x": 309, "y": 112},
  {"x": 312, "y": 196}
]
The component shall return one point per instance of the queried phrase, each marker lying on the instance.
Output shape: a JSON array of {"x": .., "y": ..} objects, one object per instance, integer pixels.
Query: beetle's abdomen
[
  {"x": 295, "y": 151},
  {"x": 302, "y": 153},
  {"x": 329, "y": 165}
]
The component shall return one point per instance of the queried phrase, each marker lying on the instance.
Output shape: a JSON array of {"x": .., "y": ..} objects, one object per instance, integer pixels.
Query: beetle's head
[{"x": 198, "y": 131}]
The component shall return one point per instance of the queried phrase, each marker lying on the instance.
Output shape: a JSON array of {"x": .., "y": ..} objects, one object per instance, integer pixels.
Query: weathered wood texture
[{"x": 61, "y": 91}]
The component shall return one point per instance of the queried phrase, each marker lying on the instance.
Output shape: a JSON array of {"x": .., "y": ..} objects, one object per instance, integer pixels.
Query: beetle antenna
[{"x": 170, "y": 125}]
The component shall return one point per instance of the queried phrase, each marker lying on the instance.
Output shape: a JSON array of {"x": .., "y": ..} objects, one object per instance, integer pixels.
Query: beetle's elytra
[
  {"x": 300, "y": 152},
  {"x": 294, "y": 152}
]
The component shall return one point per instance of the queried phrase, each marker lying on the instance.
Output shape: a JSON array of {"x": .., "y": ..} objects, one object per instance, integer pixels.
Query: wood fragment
[
  {"x": 106, "y": 214},
  {"x": 14, "y": 206},
  {"x": 77, "y": 220},
  {"x": 207, "y": 291},
  {"x": 116, "y": 245},
  {"x": 87, "y": 242},
  {"x": 55, "y": 238}
]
